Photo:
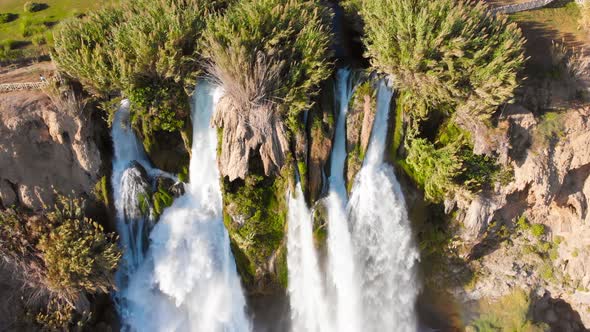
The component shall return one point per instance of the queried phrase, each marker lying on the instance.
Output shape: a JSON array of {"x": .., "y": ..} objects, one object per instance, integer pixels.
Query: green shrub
[
  {"x": 434, "y": 169},
  {"x": 61, "y": 256},
  {"x": 447, "y": 53},
  {"x": 148, "y": 49},
  {"x": 39, "y": 40},
  {"x": 30, "y": 28},
  {"x": 551, "y": 127},
  {"x": 7, "y": 17},
  {"x": 271, "y": 53},
  {"x": 32, "y": 7},
  {"x": 538, "y": 230},
  {"x": 8, "y": 44}
]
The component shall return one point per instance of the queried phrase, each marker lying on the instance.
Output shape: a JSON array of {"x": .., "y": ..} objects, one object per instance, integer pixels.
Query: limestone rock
[
  {"x": 251, "y": 136},
  {"x": 44, "y": 147},
  {"x": 321, "y": 126}
]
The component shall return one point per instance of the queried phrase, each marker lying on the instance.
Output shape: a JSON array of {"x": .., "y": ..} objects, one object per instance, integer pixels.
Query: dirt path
[{"x": 30, "y": 73}]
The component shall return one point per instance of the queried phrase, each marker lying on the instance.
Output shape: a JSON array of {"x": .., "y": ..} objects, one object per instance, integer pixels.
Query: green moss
[
  {"x": 547, "y": 273},
  {"x": 282, "y": 269},
  {"x": 183, "y": 175},
  {"x": 302, "y": 168},
  {"x": 398, "y": 129},
  {"x": 101, "y": 191},
  {"x": 575, "y": 253},
  {"x": 261, "y": 202},
  {"x": 161, "y": 199}
]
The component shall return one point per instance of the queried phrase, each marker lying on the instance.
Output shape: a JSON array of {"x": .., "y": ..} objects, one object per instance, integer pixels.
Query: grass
[
  {"x": 27, "y": 27},
  {"x": 561, "y": 17}
]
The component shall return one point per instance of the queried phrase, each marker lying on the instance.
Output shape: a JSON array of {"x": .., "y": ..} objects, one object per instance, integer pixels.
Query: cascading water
[
  {"x": 188, "y": 279},
  {"x": 341, "y": 264},
  {"x": 306, "y": 292},
  {"x": 382, "y": 236},
  {"x": 130, "y": 184}
]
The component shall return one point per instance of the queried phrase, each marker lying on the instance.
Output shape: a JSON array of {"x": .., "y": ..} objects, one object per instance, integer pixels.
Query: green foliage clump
[
  {"x": 79, "y": 256},
  {"x": 508, "y": 313},
  {"x": 32, "y": 7},
  {"x": 260, "y": 205},
  {"x": 39, "y": 40},
  {"x": 101, "y": 191},
  {"x": 161, "y": 199},
  {"x": 550, "y": 128},
  {"x": 271, "y": 53},
  {"x": 60, "y": 257},
  {"x": 538, "y": 230},
  {"x": 31, "y": 28},
  {"x": 449, "y": 163},
  {"x": 147, "y": 49},
  {"x": 434, "y": 168},
  {"x": 7, "y": 17},
  {"x": 447, "y": 54}
]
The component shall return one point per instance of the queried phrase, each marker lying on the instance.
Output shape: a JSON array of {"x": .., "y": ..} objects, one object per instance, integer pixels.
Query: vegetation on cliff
[
  {"x": 453, "y": 63},
  {"x": 271, "y": 53},
  {"x": 449, "y": 55},
  {"x": 148, "y": 50},
  {"x": 61, "y": 258}
]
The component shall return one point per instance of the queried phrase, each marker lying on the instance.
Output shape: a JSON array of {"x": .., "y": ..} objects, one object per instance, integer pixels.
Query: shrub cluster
[
  {"x": 453, "y": 63},
  {"x": 448, "y": 54},
  {"x": 144, "y": 48},
  {"x": 60, "y": 257},
  {"x": 271, "y": 52},
  {"x": 32, "y": 7},
  {"x": 7, "y": 17}
]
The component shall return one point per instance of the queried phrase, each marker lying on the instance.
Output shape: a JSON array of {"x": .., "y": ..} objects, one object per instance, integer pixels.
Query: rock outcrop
[
  {"x": 257, "y": 133},
  {"x": 551, "y": 186},
  {"x": 44, "y": 147},
  {"x": 551, "y": 174}
]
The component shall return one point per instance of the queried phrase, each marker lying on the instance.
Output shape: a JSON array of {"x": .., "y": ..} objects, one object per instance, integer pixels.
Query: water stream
[
  {"x": 187, "y": 280},
  {"x": 382, "y": 236},
  {"x": 341, "y": 263}
]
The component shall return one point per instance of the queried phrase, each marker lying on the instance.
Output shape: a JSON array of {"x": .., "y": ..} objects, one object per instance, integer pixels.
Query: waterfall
[
  {"x": 306, "y": 292},
  {"x": 188, "y": 279},
  {"x": 341, "y": 262},
  {"x": 382, "y": 236},
  {"x": 130, "y": 185}
]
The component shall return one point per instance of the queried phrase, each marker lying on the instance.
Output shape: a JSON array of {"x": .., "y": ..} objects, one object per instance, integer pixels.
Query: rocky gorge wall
[{"x": 44, "y": 148}]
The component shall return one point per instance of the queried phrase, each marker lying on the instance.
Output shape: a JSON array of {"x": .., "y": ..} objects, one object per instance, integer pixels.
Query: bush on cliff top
[
  {"x": 271, "y": 53},
  {"x": 148, "y": 49},
  {"x": 449, "y": 54}
]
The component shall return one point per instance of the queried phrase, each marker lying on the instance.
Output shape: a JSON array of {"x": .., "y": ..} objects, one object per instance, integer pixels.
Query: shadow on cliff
[{"x": 555, "y": 312}]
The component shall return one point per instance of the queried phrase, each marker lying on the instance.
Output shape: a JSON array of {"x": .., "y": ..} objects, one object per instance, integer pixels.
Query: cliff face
[
  {"x": 550, "y": 156},
  {"x": 44, "y": 147}
]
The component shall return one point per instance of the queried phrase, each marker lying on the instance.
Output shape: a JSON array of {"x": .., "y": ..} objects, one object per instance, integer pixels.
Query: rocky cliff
[{"x": 45, "y": 146}]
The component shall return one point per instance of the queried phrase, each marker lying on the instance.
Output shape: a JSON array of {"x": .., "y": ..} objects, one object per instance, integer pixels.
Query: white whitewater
[
  {"x": 341, "y": 263},
  {"x": 309, "y": 308},
  {"x": 188, "y": 279},
  {"x": 382, "y": 236},
  {"x": 129, "y": 185}
]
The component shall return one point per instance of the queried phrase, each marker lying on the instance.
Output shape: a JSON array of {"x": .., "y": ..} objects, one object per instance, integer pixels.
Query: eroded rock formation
[
  {"x": 44, "y": 148},
  {"x": 247, "y": 134}
]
